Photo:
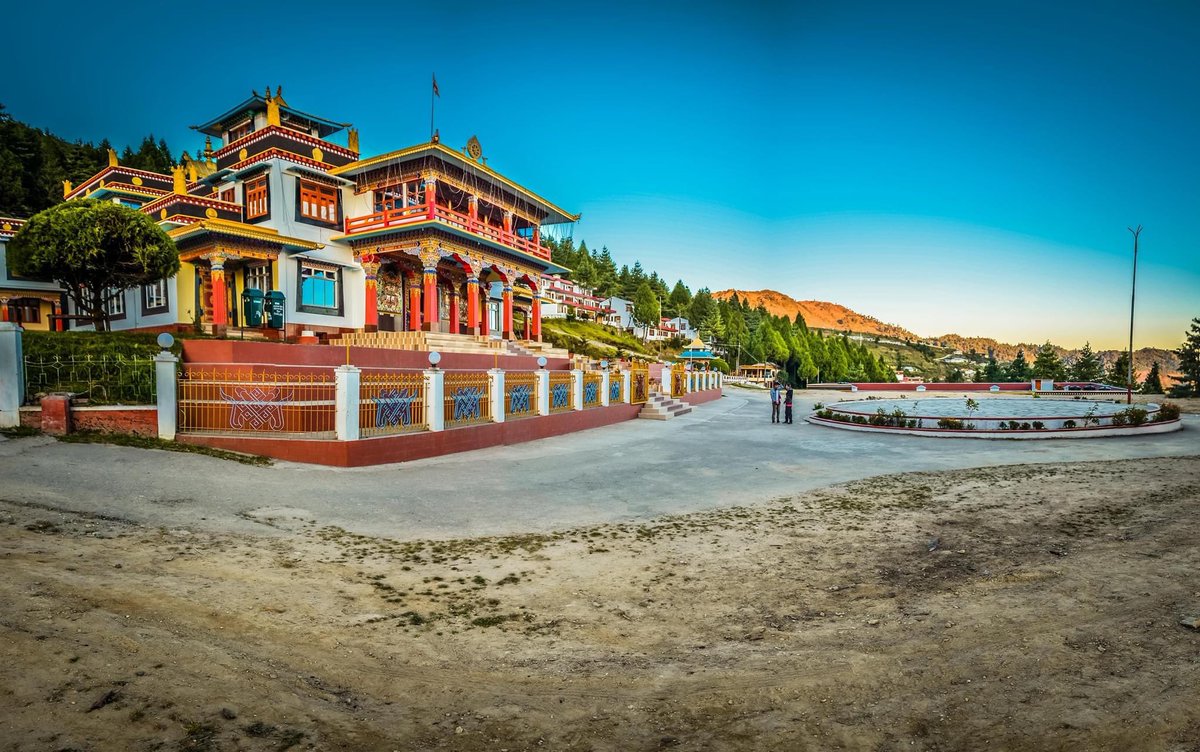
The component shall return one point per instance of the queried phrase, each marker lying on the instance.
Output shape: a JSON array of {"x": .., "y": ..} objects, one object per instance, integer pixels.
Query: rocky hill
[{"x": 819, "y": 314}]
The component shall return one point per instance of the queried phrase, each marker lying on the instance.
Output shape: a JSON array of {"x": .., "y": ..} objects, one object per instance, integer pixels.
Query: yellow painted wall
[
  {"x": 185, "y": 291},
  {"x": 45, "y": 310}
]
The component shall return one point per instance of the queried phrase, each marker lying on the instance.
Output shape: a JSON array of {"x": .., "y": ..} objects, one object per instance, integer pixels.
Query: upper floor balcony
[{"x": 423, "y": 213}]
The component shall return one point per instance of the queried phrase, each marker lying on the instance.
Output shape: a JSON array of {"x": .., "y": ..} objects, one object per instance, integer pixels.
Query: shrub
[
  {"x": 912, "y": 424},
  {"x": 1038, "y": 425},
  {"x": 1068, "y": 424},
  {"x": 1025, "y": 426},
  {"x": 1119, "y": 419},
  {"x": 1168, "y": 411},
  {"x": 1132, "y": 416},
  {"x": 950, "y": 423}
]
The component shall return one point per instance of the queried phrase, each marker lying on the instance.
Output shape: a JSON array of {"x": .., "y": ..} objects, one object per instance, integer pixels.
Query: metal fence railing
[
  {"x": 592, "y": 382},
  {"x": 391, "y": 403},
  {"x": 263, "y": 403},
  {"x": 466, "y": 400},
  {"x": 520, "y": 395},
  {"x": 103, "y": 380},
  {"x": 562, "y": 392}
]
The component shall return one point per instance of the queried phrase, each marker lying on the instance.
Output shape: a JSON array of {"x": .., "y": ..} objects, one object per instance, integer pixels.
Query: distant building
[
  {"x": 27, "y": 302},
  {"x": 563, "y": 297}
]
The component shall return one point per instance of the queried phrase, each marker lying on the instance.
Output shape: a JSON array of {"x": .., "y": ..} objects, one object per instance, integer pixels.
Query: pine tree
[
  {"x": 1087, "y": 366},
  {"x": 1118, "y": 373},
  {"x": 646, "y": 311},
  {"x": 1189, "y": 364},
  {"x": 1153, "y": 382},
  {"x": 1047, "y": 364},
  {"x": 680, "y": 299},
  {"x": 1018, "y": 369}
]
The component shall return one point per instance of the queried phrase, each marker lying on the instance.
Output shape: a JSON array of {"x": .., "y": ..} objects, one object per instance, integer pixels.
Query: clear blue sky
[{"x": 949, "y": 166}]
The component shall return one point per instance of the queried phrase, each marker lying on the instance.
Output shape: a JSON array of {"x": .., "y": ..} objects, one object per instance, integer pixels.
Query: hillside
[{"x": 818, "y": 314}]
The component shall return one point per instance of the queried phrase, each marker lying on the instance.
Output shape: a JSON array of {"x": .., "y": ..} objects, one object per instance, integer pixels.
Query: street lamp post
[{"x": 1132, "y": 294}]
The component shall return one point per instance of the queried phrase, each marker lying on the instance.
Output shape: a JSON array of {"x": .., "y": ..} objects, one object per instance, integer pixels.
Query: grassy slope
[{"x": 596, "y": 340}]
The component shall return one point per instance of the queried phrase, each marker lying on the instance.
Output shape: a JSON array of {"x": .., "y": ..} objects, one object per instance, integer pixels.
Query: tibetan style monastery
[{"x": 425, "y": 238}]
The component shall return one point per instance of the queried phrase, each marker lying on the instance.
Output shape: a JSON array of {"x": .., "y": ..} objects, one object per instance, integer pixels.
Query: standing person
[
  {"x": 787, "y": 405},
  {"x": 775, "y": 395}
]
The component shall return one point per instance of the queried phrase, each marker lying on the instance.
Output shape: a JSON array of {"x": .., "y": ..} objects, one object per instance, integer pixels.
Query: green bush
[
  {"x": 1168, "y": 411},
  {"x": 954, "y": 423},
  {"x": 1068, "y": 424},
  {"x": 104, "y": 367}
]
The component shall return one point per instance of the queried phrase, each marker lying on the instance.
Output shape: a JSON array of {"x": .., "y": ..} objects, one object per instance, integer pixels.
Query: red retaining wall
[
  {"x": 289, "y": 357},
  {"x": 699, "y": 398},
  {"x": 142, "y": 421},
  {"x": 385, "y": 449}
]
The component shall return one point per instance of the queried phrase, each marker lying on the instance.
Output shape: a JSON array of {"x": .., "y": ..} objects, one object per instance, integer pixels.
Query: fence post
[
  {"x": 496, "y": 393},
  {"x": 166, "y": 394},
  {"x": 12, "y": 374},
  {"x": 543, "y": 391},
  {"x": 435, "y": 408},
  {"x": 577, "y": 388},
  {"x": 604, "y": 388},
  {"x": 626, "y": 386},
  {"x": 346, "y": 395}
]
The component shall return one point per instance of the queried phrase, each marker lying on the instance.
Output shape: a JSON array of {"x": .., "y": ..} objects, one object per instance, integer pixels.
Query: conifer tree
[
  {"x": 1189, "y": 364},
  {"x": 1047, "y": 364},
  {"x": 1087, "y": 366},
  {"x": 1153, "y": 382},
  {"x": 1018, "y": 369}
]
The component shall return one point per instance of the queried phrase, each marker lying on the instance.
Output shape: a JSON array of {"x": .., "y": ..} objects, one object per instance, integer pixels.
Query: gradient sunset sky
[{"x": 965, "y": 167}]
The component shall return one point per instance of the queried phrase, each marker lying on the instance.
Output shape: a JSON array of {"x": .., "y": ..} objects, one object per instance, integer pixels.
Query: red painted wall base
[
  {"x": 699, "y": 398},
  {"x": 385, "y": 449}
]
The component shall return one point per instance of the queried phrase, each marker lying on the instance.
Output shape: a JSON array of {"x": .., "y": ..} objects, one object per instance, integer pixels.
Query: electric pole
[{"x": 1132, "y": 295}]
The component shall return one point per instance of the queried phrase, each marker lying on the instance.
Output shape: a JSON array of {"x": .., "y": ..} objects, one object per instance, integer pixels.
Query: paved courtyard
[{"x": 724, "y": 453}]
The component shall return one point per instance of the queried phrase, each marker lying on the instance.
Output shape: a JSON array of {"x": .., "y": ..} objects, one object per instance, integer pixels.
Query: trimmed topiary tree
[{"x": 96, "y": 250}]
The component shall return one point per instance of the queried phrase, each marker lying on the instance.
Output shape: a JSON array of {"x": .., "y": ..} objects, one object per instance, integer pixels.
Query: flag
[{"x": 436, "y": 93}]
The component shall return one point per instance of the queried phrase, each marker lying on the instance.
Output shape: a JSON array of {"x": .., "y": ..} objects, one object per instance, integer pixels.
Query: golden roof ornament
[
  {"x": 352, "y": 139},
  {"x": 67, "y": 186},
  {"x": 112, "y": 157},
  {"x": 179, "y": 184},
  {"x": 208, "y": 150},
  {"x": 474, "y": 149}
]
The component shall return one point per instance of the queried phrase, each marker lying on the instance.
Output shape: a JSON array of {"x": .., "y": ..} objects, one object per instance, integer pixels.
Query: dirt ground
[{"x": 1031, "y": 607}]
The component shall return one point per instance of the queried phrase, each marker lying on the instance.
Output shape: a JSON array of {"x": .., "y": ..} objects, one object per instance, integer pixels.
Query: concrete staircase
[
  {"x": 659, "y": 407},
  {"x": 535, "y": 349}
]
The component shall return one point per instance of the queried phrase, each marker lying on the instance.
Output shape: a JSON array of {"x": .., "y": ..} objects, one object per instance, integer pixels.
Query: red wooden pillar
[
  {"x": 3, "y": 309},
  {"x": 473, "y": 305},
  {"x": 370, "y": 265},
  {"x": 473, "y": 211},
  {"x": 485, "y": 318},
  {"x": 56, "y": 310},
  {"x": 220, "y": 305},
  {"x": 537, "y": 236},
  {"x": 414, "y": 302},
  {"x": 431, "y": 197},
  {"x": 535, "y": 317},
  {"x": 454, "y": 309},
  {"x": 508, "y": 222},
  {"x": 506, "y": 317},
  {"x": 431, "y": 298}
]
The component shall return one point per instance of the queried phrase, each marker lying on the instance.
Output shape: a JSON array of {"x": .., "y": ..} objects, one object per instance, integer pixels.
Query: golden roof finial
[
  {"x": 352, "y": 139},
  {"x": 67, "y": 186},
  {"x": 208, "y": 150},
  {"x": 177, "y": 178},
  {"x": 112, "y": 157},
  {"x": 193, "y": 173},
  {"x": 272, "y": 109}
]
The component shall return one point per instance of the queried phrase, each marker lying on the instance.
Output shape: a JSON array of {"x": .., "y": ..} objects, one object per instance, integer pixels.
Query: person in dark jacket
[{"x": 787, "y": 406}]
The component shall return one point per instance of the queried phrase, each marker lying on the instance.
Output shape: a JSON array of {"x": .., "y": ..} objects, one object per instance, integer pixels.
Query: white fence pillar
[
  {"x": 496, "y": 393},
  {"x": 346, "y": 394},
  {"x": 626, "y": 383},
  {"x": 12, "y": 374},
  {"x": 166, "y": 390},
  {"x": 577, "y": 388},
  {"x": 543, "y": 391},
  {"x": 604, "y": 382},
  {"x": 435, "y": 408}
]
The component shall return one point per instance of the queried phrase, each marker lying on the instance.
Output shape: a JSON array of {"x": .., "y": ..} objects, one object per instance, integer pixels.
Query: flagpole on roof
[{"x": 432, "y": 95}]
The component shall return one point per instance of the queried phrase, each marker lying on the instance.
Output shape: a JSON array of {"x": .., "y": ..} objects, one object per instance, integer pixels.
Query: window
[
  {"x": 25, "y": 310},
  {"x": 256, "y": 198},
  {"x": 115, "y": 304},
  {"x": 258, "y": 277},
  {"x": 154, "y": 297},
  {"x": 227, "y": 195},
  {"x": 240, "y": 131},
  {"x": 319, "y": 288},
  {"x": 319, "y": 202}
]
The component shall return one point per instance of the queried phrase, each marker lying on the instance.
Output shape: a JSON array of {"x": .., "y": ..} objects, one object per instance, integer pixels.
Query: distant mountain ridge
[{"x": 819, "y": 314}]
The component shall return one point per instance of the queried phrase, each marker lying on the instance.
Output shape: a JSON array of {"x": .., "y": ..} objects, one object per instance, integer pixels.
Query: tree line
[
  {"x": 34, "y": 163},
  {"x": 1087, "y": 366}
]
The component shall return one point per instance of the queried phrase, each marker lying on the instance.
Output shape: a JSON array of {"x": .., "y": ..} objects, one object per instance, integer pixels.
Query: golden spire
[
  {"x": 352, "y": 139},
  {"x": 208, "y": 150},
  {"x": 193, "y": 173},
  {"x": 179, "y": 183},
  {"x": 272, "y": 109},
  {"x": 112, "y": 158},
  {"x": 67, "y": 185}
]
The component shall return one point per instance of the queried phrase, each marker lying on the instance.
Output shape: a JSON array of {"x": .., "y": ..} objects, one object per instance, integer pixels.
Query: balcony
[{"x": 399, "y": 218}]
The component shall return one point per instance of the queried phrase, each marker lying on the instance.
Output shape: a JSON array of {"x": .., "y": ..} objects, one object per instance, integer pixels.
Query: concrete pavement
[{"x": 724, "y": 453}]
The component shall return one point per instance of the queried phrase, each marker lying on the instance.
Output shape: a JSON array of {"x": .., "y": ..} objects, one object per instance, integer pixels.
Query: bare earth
[{"x": 1019, "y": 607}]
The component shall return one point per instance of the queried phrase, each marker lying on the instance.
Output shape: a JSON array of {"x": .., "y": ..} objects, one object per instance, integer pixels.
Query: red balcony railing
[{"x": 399, "y": 217}]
